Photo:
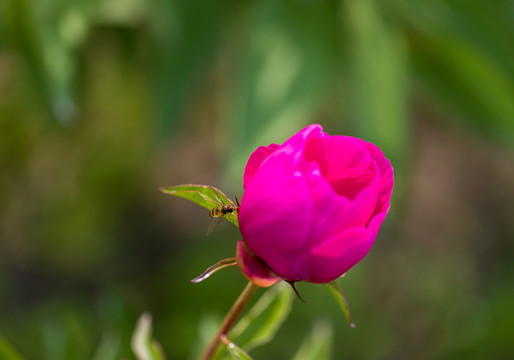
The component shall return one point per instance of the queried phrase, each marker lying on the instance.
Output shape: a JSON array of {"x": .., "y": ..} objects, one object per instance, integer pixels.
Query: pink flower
[{"x": 312, "y": 207}]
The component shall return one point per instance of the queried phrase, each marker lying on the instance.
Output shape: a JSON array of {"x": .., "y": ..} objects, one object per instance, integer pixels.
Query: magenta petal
[
  {"x": 336, "y": 255},
  {"x": 366, "y": 199},
  {"x": 293, "y": 145},
  {"x": 255, "y": 161},
  {"x": 296, "y": 145},
  {"x": 386, "y": 176},
  {"x": 332, "y": 213},
  {"x": 342, "y": 157},
  {"x": 275, "y": 212},
  {"x": 313, "y": 206},
  {"x": 374, "y": 224},
  {"x": 352, "y": 172},
  {"x": 253, "y": 268},
  {"x": 270, "y": 204}
]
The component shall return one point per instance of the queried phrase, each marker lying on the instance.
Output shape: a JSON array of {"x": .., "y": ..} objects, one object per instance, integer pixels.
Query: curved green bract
[{"x": 206, "y": 196}]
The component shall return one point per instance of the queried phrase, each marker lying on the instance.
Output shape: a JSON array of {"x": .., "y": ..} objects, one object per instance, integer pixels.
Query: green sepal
[
  {"x": 206, "y": 196},
  {"x": 337, "y": 292}
]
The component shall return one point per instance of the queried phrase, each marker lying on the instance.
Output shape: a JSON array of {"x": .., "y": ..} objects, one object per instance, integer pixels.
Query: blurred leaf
[
  {"x": 7, "y": 352},
  {"x": 47, "y": 38},
  {"x": 235, "y": 351},
  {"x": 108, "y": 347},
  {"x": 55, "y": 339},
  {"x": 187, "y": 38},
  {"x": 377, "y": 75},
  {"x": 260, "y": 324},
  {"x": 337, "y": 292},
  {"x": 143, "y": 346},
  {"x": 465, "y": 59},
  {"x": 26, "y": 36},
  {"x": 469, "y": 74},
  {"x": 207, "y": 196},
  {"x": 318, "y": 345},
  {"x": 287, "y": 69},
  {"x": 130, "y": 13}
]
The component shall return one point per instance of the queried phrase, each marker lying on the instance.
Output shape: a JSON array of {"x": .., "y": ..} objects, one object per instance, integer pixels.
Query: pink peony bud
[{"x": 312, "y": 206}]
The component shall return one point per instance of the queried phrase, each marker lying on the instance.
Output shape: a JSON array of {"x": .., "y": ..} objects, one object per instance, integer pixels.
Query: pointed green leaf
[
  {"x": 235, "y": 351},
  {"x": 262, "y": 321},
  {"x": 318, "y": 345},
  {"x": 337, "y": 292},
  {"x": 7, "y": 352},
  {"x": 143, "y": 345},
  {"x": 204, "y": 195}
]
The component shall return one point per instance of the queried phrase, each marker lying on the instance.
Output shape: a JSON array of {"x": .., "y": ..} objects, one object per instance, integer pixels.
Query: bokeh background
[{"x": 104, "y": 101}]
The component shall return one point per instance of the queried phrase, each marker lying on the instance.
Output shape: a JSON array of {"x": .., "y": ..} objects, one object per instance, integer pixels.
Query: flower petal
[
  {"x": 332, "y": 213},
  {"x": 253, "y": 268},
  {"x": 336, "y": 255},
  {"x": 386, "y": 176},
  {"x": 276, "y": 208},
  {"x": 255, "y": 161},
  {"x": 275, "y": 211},
  {"x": 313, "y": 206},
  {"x": 349, "y": 168}
]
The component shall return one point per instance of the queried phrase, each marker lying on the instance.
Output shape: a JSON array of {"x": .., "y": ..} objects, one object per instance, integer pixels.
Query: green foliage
[
  {"x": 103, "y": 101},
  {"x": 461, "y": 55}
]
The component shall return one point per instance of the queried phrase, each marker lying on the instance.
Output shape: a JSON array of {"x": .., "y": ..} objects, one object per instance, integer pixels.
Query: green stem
[{"x": 229, "y": 320}]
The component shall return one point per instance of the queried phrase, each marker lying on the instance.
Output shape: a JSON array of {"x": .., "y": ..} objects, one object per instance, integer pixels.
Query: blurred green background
[{"x": 103, "y": 101}]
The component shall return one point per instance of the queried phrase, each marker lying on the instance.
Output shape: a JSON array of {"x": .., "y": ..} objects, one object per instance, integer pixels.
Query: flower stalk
[{"x": 229, "y": 320}]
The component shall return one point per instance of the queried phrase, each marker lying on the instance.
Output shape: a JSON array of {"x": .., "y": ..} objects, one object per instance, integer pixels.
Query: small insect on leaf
[
  {"x": 208, "y": 197},
  {"x": 219, "y": 212},
  {"x": 213, "y": 225}
]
